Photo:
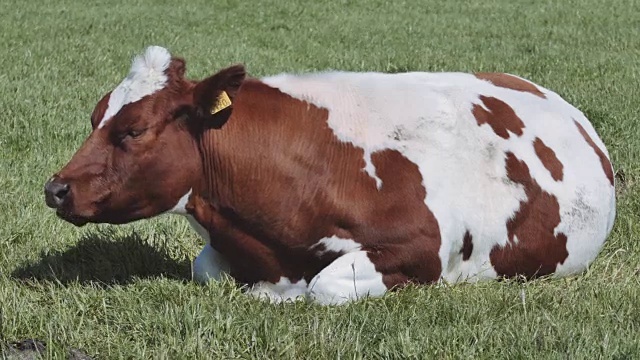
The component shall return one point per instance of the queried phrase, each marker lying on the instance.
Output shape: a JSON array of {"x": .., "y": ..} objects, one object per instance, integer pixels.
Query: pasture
[{"x": 125, "y": 292}]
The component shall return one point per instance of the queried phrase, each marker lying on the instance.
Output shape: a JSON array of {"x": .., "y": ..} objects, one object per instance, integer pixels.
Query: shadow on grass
[{"x": 106, "y": 259}]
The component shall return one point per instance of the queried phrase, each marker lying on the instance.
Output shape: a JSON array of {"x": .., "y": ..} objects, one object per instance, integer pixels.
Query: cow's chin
[
  {"x": 79, "y": 219},
  {"x": 106, "y": 215},
  {"x": 74, "y": 219}
]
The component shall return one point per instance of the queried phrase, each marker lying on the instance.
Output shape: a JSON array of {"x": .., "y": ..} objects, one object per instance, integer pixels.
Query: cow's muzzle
[
  {"x": 58, "y": 196},
  {"x": 56, "y": 193}
]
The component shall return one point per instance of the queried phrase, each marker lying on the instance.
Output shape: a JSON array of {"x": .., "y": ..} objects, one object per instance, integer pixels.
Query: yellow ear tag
[{"x": 222, "y": 102}]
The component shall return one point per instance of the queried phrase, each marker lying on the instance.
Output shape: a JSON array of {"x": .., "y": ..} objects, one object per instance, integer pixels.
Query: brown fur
[
  {"x": 538, "y": 250},
  {"x": 467, "y": 246},
  {"x": 125, "y": 170},
  {"x": 277, "y": 180},
  {"x": 500, "y": 117},
  {"x": 549, "y": 159},
  {"x": 510, "y": 82},
  {"x": 606, "y": 164}
]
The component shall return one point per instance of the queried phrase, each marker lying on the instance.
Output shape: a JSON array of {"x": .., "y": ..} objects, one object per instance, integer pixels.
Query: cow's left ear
[{"x": 213, "y": 97}]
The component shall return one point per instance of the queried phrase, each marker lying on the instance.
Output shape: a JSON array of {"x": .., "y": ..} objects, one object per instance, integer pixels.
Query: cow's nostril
[
  {"x": 56, "y": 192},
  {"x": 62, "y": 191}
]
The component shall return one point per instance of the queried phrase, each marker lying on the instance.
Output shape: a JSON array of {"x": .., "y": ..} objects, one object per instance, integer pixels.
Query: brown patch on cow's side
[
  {"x": 405, "y": 239},
  {"x": 606, "y": 164},
  {"x": 549, "y": 159},
  {"x": 510, "y": 82},
  {"x": 281, "y": 181},
  {"x": 533, "y": 249},
  {"x": 500, "y": 117},
  {"x": 467, "y": 246}
]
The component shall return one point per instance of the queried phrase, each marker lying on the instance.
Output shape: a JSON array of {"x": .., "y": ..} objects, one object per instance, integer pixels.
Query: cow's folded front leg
[
  {"x": 209, "y": 265},
  {"x": 283, "y": 290},
  {"x": 351, "y": 276}
]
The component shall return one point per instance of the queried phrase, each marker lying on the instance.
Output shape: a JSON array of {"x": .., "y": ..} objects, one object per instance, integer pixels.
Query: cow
[{"x": 335, "y": 186}]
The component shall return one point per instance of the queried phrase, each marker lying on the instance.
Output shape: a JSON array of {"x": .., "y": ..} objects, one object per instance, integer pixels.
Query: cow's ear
[{"x": 213, "y": 97}]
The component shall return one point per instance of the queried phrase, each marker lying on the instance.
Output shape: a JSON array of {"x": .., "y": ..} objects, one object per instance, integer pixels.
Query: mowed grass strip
[{"x": 124, "y": 292}]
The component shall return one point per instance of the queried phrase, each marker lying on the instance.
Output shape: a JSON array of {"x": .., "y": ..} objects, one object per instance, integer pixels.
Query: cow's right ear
[{"x": 213, "y": 97}]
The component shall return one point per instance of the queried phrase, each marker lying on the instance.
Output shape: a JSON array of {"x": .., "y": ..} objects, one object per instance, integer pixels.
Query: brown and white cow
[{"x": 339, "y": 185}]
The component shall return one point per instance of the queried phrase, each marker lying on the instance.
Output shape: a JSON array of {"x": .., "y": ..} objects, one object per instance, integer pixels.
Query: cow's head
[{"x": 141, "y": 156}]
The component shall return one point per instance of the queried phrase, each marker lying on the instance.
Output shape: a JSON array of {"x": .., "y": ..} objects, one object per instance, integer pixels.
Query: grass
[{"x": 124, "y": 292}]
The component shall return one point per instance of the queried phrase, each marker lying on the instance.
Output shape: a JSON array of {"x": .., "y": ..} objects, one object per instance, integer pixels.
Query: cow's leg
[
  {"x": 283, "y": 290},
  {"x": 209, "y": 265},
  {"x": 349, "y": 277}
]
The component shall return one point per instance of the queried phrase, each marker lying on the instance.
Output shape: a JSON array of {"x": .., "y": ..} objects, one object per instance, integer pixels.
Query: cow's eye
[
  {"x": 129, "y": 134},
  {"x": 134, "y": 133}
]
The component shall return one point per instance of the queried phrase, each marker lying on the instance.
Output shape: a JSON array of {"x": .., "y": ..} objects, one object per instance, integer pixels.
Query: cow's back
[{"x": 517, "y": 178}]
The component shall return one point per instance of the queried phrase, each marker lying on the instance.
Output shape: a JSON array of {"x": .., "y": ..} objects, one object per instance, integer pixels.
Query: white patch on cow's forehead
[{"x": 147, "y": 75}]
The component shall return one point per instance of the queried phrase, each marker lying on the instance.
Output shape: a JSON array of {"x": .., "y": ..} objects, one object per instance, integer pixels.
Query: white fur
[
  {"x": 147, "y": 75},
  {"x": 281, "y": 291},
  {"x": 428, "y": 118},
  {"x": 209, "y": 265},
  {"x": 350, "y": 277},
  {"x": 180, "y": 207},
  {"x": 337, "y": 244}
]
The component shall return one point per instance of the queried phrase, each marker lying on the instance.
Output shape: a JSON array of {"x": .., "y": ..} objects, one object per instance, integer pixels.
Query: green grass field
[{"x": 124, "y": 292}]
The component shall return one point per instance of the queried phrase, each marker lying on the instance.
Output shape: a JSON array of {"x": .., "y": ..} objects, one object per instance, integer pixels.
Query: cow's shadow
[{"x": 102, "y": 259}]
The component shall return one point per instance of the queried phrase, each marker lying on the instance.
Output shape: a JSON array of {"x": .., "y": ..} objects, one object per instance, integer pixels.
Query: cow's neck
[
  {"x": 263, "y": 177},
  {"x": 190, "y": 167}
]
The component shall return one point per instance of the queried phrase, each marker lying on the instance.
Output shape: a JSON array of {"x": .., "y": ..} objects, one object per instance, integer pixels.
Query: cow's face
[{"x": 141, "y": 156}]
